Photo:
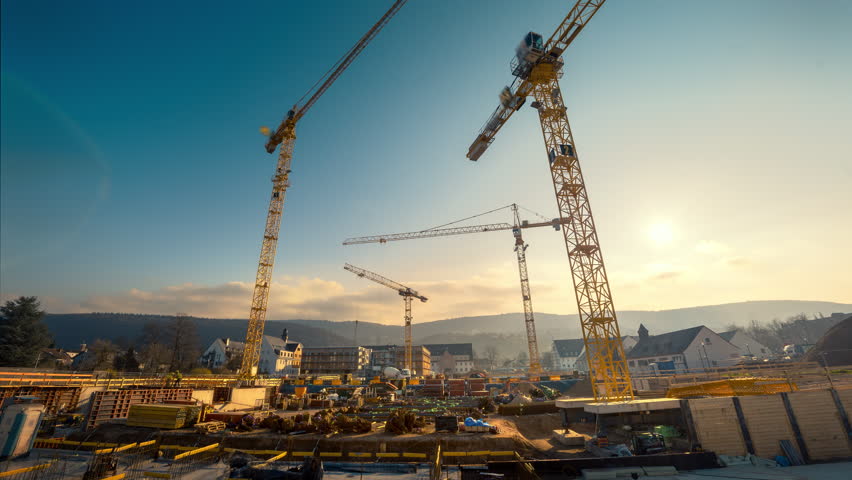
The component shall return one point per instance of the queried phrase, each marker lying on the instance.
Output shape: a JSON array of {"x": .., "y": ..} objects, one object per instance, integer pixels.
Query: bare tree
[
  {"x": 491, "y": 353},
  {"x": 183, "y": 336}
]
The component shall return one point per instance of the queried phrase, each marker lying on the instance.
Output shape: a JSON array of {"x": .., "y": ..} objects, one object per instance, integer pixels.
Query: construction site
[{"x": 415, "y": 415}]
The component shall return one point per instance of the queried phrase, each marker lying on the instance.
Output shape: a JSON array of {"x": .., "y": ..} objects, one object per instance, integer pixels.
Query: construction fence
[{"x": 815, "y": 422}]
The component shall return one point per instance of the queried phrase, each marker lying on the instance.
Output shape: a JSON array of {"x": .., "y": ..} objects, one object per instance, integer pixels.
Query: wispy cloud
[
  {"x": 316, "y": 298},
  {"x": 711, "y": 247}
]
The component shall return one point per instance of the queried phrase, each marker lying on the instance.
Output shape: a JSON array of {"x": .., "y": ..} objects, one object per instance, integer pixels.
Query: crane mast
[
  {"x": 520, "y": 249},
  {"x": 407, "y": 294},
  {"x": 285, "y": 136},
  {"x": 529, "y": 320},
  {"x": 539, "y": 67}
]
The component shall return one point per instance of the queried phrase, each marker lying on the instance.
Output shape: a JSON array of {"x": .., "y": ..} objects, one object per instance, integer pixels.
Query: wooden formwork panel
[
  {"x": 767, "y": 423},
  {"x": 717, "y": 426},
  {"x": 820, "y": 424},
  {"x": 846, "y": 400}
]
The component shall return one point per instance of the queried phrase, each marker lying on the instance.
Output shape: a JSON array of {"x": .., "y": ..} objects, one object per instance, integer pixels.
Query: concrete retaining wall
[{"x": 765, "y": 420}]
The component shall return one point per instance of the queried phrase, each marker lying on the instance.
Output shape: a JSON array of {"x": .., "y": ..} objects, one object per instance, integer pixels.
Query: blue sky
[{"x": 713, "y": 137}]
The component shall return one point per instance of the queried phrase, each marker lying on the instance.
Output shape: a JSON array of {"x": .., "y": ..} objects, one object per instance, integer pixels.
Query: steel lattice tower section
[
  {"x": 604, "y": 350},
  {"x": 526, "y": 295},
  {"x": 260, "y": 297}
]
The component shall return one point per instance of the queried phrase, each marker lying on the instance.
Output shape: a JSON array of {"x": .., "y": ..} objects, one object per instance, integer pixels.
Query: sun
[{"x": 661, "y": 233}]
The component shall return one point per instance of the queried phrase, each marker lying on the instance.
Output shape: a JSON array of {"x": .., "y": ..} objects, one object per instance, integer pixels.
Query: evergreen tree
[
  {"x": 22, "y": 333},
  {"x": 126, "y": 362}
]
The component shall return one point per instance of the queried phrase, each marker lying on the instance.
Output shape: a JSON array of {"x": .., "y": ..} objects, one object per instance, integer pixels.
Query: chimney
[
  {"x": 643, "y": 332},
  {"x": 82, "y": 347},
  {"x": 227, "y": 342},
  {"x": 284, "y": 336}
]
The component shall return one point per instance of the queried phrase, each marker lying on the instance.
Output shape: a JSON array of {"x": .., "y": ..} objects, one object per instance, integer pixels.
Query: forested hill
[
  {"x": 505, "y": 330},
  {"x": 71, "y": 329}
]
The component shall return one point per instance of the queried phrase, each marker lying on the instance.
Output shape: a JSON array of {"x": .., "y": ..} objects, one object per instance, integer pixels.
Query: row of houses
[
  {"x": 696, "y": 348},
  {"x": 280, "y": 356}
]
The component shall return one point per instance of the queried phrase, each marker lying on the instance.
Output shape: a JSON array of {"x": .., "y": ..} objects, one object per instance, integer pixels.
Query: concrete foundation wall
[
  {"x": 767, "y": 422},
  {"x": 203, "y": 396},
  {"x": 245, "y": 398},
  {"x": 820, "y": 424},
  {"x": 716, "y": 425}
]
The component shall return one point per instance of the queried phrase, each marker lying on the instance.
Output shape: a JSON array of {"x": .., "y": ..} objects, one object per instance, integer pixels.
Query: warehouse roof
[{"x": 568, "y": 348}]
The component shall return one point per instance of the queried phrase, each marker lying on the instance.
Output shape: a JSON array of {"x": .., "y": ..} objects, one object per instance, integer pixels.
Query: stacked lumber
[
  {"x": 456, "y": 387},
  {"x": 433, "y": 387},
  {"x": 157, "y": 416},
  {"x": 476, "y": 387}
]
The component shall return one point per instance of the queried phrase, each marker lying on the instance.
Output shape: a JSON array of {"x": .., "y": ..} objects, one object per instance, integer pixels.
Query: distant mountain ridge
[{"x": 504, "y": 330}]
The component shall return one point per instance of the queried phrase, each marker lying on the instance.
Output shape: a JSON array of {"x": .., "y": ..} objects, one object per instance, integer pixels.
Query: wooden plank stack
[
  {"x": 157, "y": 416},
  {"x": 433, "y": 387},
  {"x": 456, "y": 387},
  {"x": 476, "y": 387}
]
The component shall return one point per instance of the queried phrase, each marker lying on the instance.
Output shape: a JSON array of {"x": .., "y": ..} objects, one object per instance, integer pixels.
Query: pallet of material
[
  {"x": 209, "y": 427},
  {"x": 157, "y": 416}
]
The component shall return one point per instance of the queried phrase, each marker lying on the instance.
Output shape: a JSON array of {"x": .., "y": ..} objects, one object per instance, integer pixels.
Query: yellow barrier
[
  {"x": 331, "y": 454},
  {"x": 387, "y": 455},
  {"x": 270, "y": 460},
  {"x": 145, "y": 444},
  {"x": 9, "y": 473},
  {"x": 303, "y": 454},
  {"x": 360, "y": 454},
  {"x": 196, "y": 451},
  {"x": 506, "y": 453},
  {"x": 253, "y": 452},
  {"x": 176, "y": 447},
  {"x": 413, "y": 455},
  {"x": 120, "y": 476}
]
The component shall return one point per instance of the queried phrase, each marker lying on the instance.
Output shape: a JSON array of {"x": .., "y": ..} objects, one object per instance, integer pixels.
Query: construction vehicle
[
  {"x": 537, "y": 67},
  {"x": 647, "y": 443},
  {"x": 407, "y": 294},
  {"x": 285, "y": 136},
  {"x": 520, "y": 250}
]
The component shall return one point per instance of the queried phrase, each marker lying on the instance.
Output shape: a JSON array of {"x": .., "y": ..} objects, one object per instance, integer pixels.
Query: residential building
[
  {"x": 627, "y": 343},
  {"x": 394, "y": 356},
  {"x": 696, "y": 348},
  {"x": 747, "y": 345},
  {"x": 451, "y": 358},
  {"x": 279, "y": 356},
  {"x": 221, "y": 353},
  {"x": 565, "y": 354},
  {"x": 336, "y": 360}
]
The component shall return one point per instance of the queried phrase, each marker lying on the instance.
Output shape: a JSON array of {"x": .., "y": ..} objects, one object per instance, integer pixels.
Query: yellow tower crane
[
  {"x": 285, "y": 136},
  {"x": 407, "y": 294},
  {"x": 520, "y": 250},
  {"x": 537, "y": 67}
]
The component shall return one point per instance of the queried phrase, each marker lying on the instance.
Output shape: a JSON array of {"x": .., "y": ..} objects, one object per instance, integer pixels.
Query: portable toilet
[{"x": 19, "y": 424}]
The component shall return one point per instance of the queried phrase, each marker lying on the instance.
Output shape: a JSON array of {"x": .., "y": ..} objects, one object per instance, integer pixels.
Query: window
[
  {"x": 762, "y": 350},
  {"x": 714, "y": 363},
  {"x": 631, "y": 363},
  {"x": 707, "y": 340},
  {"x": 643, "y": 363}
]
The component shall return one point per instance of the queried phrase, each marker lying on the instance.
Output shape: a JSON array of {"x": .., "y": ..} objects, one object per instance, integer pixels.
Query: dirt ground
[{"x": 530, "y": 435}]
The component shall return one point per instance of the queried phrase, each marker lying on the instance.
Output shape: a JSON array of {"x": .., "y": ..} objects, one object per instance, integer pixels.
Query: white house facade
[
  {"x": 748, "y": 346},
  {"x": 462, "y": 357},
  {"x": 279, "y": 356},
  {"x": 695, "y": 349},
  {"x": 220, "y": 352},
  {"x": 566, "y": 353}
]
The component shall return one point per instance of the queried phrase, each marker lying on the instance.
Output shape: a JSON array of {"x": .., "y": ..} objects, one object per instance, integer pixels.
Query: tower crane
[
  {"x": 407, "y": 294},
  {"x": 537, "y": 67},
  {"x": 285, "y": 136},
  {"x": 520, "y": 250}
]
